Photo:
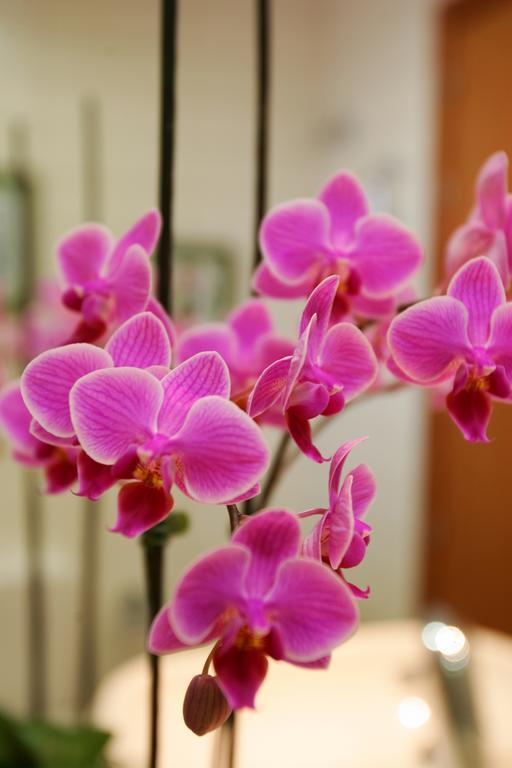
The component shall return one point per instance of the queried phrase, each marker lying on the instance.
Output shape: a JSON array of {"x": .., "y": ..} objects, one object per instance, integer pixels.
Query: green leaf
[
  {"x": 13, "y": 752},
  {"x": 57, "y": 747}
]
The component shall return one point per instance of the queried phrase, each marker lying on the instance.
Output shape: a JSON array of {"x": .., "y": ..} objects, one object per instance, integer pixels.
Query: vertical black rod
[
  {"x": 262, "y": 120},
  {"x": 89, "y": 578},
  {"x": 167, "y": 142},
  {"x": 154, "y": 555}
]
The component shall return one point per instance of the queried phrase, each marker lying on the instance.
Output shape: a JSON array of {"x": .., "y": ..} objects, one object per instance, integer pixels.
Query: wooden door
[{"x": 469, "y": 547}]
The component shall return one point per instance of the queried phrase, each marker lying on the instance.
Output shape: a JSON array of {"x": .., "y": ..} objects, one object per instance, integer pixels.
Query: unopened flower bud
[{"x": 205, "y": 707}]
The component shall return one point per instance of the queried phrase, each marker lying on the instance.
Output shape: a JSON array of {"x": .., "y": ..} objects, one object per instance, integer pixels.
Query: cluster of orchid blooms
[{"x": 129, "y": 402}]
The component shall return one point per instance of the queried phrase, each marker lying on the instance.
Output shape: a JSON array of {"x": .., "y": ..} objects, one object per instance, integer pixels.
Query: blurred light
[
  {"x": 429, "y": 633},
  {"x": 413, "y": 712},
  {"x": 451, "y": 642}
]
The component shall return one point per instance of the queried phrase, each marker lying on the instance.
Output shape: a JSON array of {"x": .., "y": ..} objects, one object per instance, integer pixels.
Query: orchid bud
[{"x": 205, "y": 707}]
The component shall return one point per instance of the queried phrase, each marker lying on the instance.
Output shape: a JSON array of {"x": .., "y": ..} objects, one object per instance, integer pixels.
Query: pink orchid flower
[
  {"x": 180, "y": 430},
  {"x": 57, "y": 462},
  {"x": 247, "y": 341},
  {"x": 306, "y": 240},
  {"x": 464, "y": 338},
  {"x": 258, "y": 598},
  {"x": 488, "y": 232},
  {"x": 329, "y": 367},
  {"x": 107, "y": 281},
  {"x": 340, "y": 538}
]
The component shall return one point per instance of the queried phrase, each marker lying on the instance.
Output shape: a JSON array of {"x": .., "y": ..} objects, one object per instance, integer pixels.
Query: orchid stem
[
  {"x": 262, "y": 119},
  {"x": 154, "y": 544},
  {"x": 234, "y": 516},
  {"x": 274, "y": 474},
  {"x": 35, "y": 598}
]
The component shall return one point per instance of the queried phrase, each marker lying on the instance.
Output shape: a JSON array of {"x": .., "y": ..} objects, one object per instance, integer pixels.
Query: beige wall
[{"x": 353, "y": 82}]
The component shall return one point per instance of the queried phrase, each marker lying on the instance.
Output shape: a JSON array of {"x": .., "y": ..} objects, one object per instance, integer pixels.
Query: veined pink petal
[
  {"x": 346, "y": 202},
  {"x": 266, "y": 283},
  {"x": 491, "y": 190},
  {"x": 82, "y": 253},
  {"x": 207, "y": 337},
  {"x": 347, "y": 357},
  {"x": 312, "y": 544},
  {"x": 113, "y": 410},
  {"x": 220, "y": 452},
  {"x": 272, "y": 536},
  {"x": 428, "y": 341},
  {"x": 499, "y": 346},
  {"x": 240, "y": 674},
  {"x": 159, "y": 312},
  {"x": 210, "y": 588},
  {"x": 204, "y": 374},
  {"x": 46, "y": 437},
  {"x": 293, "y": 236},
  {"x": 93, "y": 478},
  {"x": 370, "y": 307},
  {"x": 15, "y": 418},
  {"x": 341, "y": 524},
  {"x": 479, "y": 287},
  {"x": 144, "y": 232},
  {"x": 320, "y": 304},
  {"x": 47, "y": 381},
  {"x": 300, "y": 430},
  {"x": 250, "y": 321},
  {"x": 131, "y": 283},
  {"x": 140, "y": 342},
  {"x": 162, "y": 638},
  {"x": 467, "y": 242},
  {"x": 364, "y": 489},
  {"x": 305, "y": 351},
  {"x": 386, "y": 254},
  {"x": 140, "y": 507},
  {"x": 312, "y": 609},
  {"x": 269, "y": 388},
  {"x": 336, "y": 467},
  {"x": 471, "y": 411}
]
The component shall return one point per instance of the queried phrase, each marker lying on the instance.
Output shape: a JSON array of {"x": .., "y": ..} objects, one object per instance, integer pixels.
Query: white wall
[{"x": 353, "y": 81}]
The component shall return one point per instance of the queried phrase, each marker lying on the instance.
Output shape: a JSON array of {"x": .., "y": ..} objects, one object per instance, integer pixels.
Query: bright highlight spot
[
  {"x": 429, "y": 633},
  {"x": 413, "y": 712},
  {"x": 450, "y": 641}
]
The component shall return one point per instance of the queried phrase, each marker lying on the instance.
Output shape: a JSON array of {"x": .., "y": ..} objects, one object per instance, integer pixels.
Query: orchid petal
[
  {"x": 266, "y": 283},
  {"x": 269, "y": 387},
  {"x": 207, "y": 337},
  {"x": 140, "y": 507},
  {"x": 219, "y": 450},
  {"x": 364, "y": 489},
  {"x": 250, "y": 321},
  {"x": 499, "y": 346},
  {"x": 209, "y": 589},
  {"x": 82, "y": 253},
  {"x": 300, "y": 430},
  {"x": 348, "y": 359},
  {"x": 467, "y": 242},
  {"x": 114, "y": 409},
  {"x": 491, "y": 190},
  {"x": 240, "y": 673},
  {"x": 292, "y": 238},
  {"x": 313, "y": 611},
  {"x": 93, "y": 478},
  {"x": 386, "y": 254},
  {"x": 60, "y": 473},
  {"x": 162, "y": 638},
  {"x": 346, "y": 202},
  {"x": 479, "y": 287},
  {"x": 202, "y": 375},
  {"x": 272, "y": 537},
  {"x": 312, "y": 544},
  {"x": 341, "y": 525},
  {"x": 471, "y": 411},
  {"x": 140, "y": 342},
  {"x": 48, "y": 379},
  {"x": 131, "y": 283},
  {"x": 336, "y": 467},
  {"x": 144, "y": 232},
  {"x": 15, "y": 418},
  {"x": 428, "y": 340},
  {"x": 320, "y": 304}
]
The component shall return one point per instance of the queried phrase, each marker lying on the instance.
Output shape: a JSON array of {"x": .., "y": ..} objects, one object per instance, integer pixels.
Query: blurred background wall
[{"x": 353, "y": 87}]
